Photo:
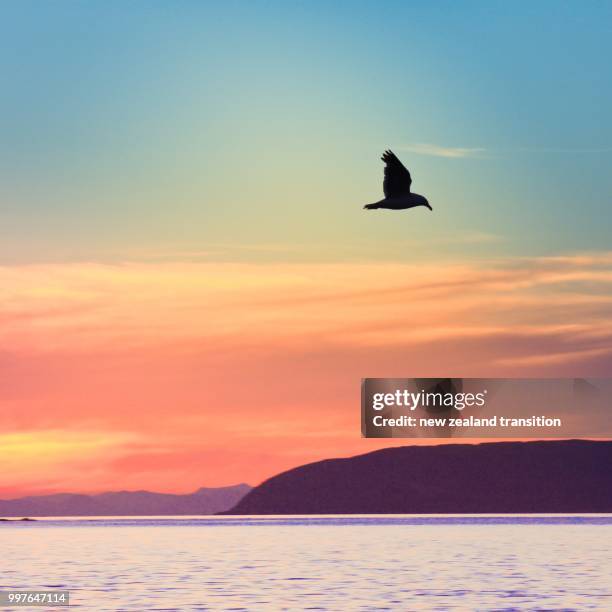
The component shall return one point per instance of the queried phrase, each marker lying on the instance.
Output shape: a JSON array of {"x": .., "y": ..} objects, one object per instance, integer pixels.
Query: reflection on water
[{"x": 316, "y": 563}]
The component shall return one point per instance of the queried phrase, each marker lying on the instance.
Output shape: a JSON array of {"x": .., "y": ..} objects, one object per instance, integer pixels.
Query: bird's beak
[{"x": 429, "y": 206}]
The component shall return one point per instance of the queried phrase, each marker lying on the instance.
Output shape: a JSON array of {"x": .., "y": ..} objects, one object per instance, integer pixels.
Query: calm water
[{"x": 324, "y": 563}]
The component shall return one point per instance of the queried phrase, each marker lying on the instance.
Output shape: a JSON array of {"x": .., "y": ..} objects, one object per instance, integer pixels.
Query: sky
[{"x": 190, "y": 289}]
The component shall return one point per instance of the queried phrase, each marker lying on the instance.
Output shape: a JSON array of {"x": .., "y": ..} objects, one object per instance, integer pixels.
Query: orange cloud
[{"x": 211, "y": 373}]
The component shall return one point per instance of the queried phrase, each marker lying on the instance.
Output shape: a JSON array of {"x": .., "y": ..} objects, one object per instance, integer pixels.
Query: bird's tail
[{"x": 371, "y": 206}]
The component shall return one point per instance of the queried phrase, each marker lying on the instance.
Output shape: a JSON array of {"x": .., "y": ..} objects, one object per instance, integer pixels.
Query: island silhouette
[{"x": 566, "y": 476}]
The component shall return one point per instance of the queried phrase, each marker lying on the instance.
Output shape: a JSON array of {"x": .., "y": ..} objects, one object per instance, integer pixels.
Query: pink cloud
[{"x": 206, "y": 373}]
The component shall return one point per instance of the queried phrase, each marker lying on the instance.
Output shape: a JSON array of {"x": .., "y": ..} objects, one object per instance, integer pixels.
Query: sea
[{"x": 493, "y": 562}]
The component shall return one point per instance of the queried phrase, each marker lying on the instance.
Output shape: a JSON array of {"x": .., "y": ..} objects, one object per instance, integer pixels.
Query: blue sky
[{"x": 254, "y": 130}]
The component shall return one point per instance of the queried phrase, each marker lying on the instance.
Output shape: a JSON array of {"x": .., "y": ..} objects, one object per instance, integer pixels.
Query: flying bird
[{"x": 396, "y": 187}]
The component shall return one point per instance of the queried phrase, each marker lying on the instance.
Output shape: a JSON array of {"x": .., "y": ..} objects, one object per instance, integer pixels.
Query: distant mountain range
[
  {"x": 126, "y": 503},
  {"x": 502, "y": 477}
]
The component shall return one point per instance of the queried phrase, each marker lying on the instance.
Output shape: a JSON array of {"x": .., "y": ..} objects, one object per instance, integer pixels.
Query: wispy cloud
[
  {"x": 569, "y": 150},
  {"x": 188, "y": 359},
  {"x": 434, "y": 150}
]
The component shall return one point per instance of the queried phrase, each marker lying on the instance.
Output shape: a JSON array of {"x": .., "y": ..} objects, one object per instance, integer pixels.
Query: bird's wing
[{"x": 397, "y": 179}]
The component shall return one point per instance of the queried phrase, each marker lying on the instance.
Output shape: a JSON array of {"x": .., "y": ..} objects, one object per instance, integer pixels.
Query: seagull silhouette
[{"x": 396, "y": 186}]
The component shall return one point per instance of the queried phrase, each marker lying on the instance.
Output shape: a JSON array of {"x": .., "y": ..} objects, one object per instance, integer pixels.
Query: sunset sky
[{"x": 190, "y": 290}]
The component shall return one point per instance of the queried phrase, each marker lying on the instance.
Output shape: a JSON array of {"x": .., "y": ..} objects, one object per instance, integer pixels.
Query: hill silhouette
[
  {"x": 501, "y": 477},
  {"x": 126, "y": 503}
]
